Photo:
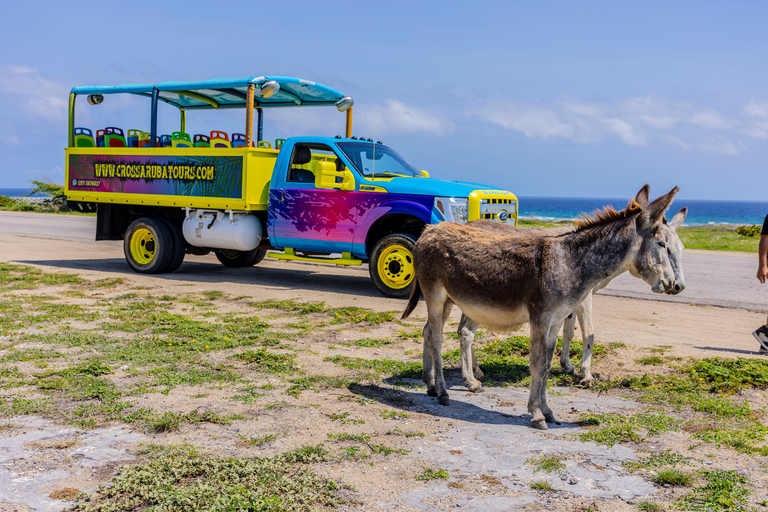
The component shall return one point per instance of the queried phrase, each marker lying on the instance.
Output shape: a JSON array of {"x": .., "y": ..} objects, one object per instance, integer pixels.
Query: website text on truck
[{"x": 302, "y": 198}]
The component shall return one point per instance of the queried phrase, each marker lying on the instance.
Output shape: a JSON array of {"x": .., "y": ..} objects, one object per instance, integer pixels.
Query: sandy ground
[{"x": 483, "y": 440}]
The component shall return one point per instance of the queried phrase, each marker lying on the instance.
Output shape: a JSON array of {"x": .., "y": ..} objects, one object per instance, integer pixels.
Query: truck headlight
[{"x": 454, "y": 209}]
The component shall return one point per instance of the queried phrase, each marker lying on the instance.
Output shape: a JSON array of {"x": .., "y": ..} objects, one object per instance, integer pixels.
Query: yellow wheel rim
[
  {"x": 143, "y": 246},
  {"x": 395, "y": 267}
]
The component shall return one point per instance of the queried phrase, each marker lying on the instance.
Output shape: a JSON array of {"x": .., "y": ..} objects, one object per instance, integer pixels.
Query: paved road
[{"x": 713, "y": 278}]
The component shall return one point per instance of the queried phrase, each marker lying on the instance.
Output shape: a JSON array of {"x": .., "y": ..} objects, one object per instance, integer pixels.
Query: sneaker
[{"x": 761, "y": 335}]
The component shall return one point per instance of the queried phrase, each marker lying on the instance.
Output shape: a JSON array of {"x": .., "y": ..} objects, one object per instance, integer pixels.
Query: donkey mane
[{"x": 607, "y": 215}]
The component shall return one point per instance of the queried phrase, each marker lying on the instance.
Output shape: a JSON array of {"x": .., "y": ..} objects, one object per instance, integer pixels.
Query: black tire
[
  {"x": 148, "y": 246},
  {"x": 239, "y": 259},
  {"x": 391, "y": 265},
  {"x": 179, "y": 246}
]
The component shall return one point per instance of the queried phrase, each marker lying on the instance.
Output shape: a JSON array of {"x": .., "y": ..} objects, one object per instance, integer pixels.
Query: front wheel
[
  {"x": 391, "y": 265},
  {"x": 148, "y": 246},
  {"x": 239, "y": 259}
]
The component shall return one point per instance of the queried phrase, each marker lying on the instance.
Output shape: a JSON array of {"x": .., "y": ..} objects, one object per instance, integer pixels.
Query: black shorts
[{"x": 765, "y": 226}]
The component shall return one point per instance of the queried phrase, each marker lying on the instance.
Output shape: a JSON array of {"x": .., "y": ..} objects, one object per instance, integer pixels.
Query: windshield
[{"x": 376, "y": 159}]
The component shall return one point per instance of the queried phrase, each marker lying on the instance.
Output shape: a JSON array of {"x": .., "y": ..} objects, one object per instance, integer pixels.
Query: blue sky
[{"x": 588, "y": 99}]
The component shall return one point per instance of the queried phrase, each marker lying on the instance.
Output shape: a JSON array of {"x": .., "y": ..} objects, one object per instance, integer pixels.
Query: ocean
[
  {"x": 700, "y": 212},
  {"x": 567, "y": 208},
  {"x": 18, "y": 192}
]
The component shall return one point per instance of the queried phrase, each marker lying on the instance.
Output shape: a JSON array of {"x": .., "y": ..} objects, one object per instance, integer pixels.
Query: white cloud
[
  {"x": 34, "y": 93},
  {"x": 397, "y": 117},
  {"x": 718, "y": 145},
  {"x": 628, "y": 133},
  {"x": 636, "y": 121}
]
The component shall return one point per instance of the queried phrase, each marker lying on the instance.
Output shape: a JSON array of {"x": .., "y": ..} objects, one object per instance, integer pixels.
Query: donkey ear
[
  {"x": 678, "y": 218},
  {"x": 643, "y": 196},
  {"x": 653, "y": 215}
]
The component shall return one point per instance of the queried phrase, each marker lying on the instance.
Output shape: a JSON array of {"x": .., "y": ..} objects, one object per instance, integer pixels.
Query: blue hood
[{"x": 428, "y": 186}]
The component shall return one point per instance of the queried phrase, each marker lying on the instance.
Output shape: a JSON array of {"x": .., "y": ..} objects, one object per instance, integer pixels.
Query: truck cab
[{"x": 338, "y": 200}]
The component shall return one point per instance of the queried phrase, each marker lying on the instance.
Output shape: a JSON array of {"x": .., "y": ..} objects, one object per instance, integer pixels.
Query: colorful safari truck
[{"x": 339, "y": 200}]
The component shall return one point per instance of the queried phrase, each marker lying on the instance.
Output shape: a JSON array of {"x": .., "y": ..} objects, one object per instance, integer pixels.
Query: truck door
[{"x": 304, "y": 217}]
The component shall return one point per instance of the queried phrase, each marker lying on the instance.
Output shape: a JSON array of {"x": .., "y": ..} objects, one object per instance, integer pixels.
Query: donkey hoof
[
  {"x": 431, "y": 392},
  {"x": 569, "y": 368},
  {"x": 443, "y": 400},
  {"x": 550, "y": 418},
  {"x": 587, "y": 381},
  {"x": 477, "y": 389},
  {"x": 540, "y": 424}
]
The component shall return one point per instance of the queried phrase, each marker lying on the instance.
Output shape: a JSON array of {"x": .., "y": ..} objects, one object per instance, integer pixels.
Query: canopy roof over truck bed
[{"x": 228, "y": 93}]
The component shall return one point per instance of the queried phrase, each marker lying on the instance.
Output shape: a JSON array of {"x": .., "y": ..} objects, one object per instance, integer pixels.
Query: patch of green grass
[
  {"x": 649, "y": 506},
  {"x": 400, "y": 369},
  {"x": 72, "y": 338},
  {"x": 172, "y": 376},
  {"x": 306, "y": 454},
  {"x": 109, "y": 282},
  {"x": 617, "y": 428},
  {"x": 356, "y": 315},
  {"x": 716, "y": 238},
  {"x": 729, "y": 375},
  {"x": 541, "y": 485},
  {"x": 548, "y": 463},
  {"x": 389, "y": 414},
  {"x": 267, "y": 361},
  {"x": 672, "y": 476},
  {"x": 353, "y": 453},
  {"x": 259, "y": 440},
  {"x": 316, "y": 381},
  {"x": 171, "y": 421},
  {"x": 744, "y": 438},
  {"x": 367, "y": 343},
  {"x": 29, "y": 354},
  {"x": 410, "y": 433},
  {"x": 184, "y": 479},
  {"x": 23, "y": 277},
  {"x": 291, "y": 306},
  {"x": 432, "y": 474},
  {"x": 213, "y": 294},
  {"x": 724, "y": 490},
  {"x": 533, "y": 223},
  {"x": 650, "y": 360},
  {"x": 14, "y": 406},
  {"x": 345, "y": 419},
  {"x": 346, "y": 436},
  {"x": 410, "y": 334},
  {"x": 655, "y": 460}
]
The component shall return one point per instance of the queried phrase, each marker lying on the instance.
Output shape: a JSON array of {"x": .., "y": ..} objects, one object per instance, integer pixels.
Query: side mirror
[
  {"x": 327, "y": 177},
  {"x": 424, "y": 173}
]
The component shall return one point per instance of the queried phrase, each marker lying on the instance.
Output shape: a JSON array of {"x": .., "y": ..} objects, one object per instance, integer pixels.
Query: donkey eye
[{"x": 663, "y": 244}]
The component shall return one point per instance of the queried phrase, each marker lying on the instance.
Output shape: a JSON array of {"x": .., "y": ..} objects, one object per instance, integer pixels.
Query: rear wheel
[
  {"x": 148, "y": 246},
  {"x": 237, "y": 259},
  {"x": 179, "y": 246},
  {"x": 391, "y": 265}
]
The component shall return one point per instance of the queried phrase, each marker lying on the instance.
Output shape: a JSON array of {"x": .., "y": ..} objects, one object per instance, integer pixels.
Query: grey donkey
[
  {"x": 505, "y": 281},
  {"x": 583, "y": 310}
]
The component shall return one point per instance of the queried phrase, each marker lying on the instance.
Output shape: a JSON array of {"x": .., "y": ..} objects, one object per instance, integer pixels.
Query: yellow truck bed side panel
[{"x": 220, "y": 178}]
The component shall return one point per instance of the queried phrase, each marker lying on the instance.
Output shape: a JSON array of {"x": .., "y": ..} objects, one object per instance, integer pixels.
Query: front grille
[{"x": 496, "y": 205}]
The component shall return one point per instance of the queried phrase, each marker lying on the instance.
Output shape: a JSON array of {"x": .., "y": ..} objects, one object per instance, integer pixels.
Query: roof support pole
[
  {"x": 71, "y": 125},
  {"x": 153, "y": 120},
  {"x": 183, "y": 114},
  {"x": 260, "y": 132},
  {"x": 249, "y": 116},
  {"x": 349, "y": 122}
]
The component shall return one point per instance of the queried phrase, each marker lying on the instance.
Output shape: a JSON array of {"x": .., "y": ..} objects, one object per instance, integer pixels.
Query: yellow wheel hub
[
  {"x": 395, "y": 267},
  {"x": 143, "y": 246}
]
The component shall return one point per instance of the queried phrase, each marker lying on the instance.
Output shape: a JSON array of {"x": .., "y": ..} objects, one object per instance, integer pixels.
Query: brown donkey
[
  {"x": 583, "y": 311},
  {"x": 505, "y": 281}
]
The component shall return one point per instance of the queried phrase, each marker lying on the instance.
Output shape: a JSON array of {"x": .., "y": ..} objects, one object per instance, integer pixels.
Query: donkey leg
[
  {"x": 538, "y": 366},
  {"x": 427, "y": 373},
  {"x": 565, "y": 354},
  {"x": 437, "y": 304},
  {"x": 588, "y": 334},
  {"x": 467, "y": 329},
  {"x": 551, "y": 344},
  {"x": 476, "y": 367}
]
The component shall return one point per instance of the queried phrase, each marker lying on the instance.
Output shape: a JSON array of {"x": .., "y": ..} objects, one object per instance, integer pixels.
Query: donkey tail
[{"x": 412, "y": 301}]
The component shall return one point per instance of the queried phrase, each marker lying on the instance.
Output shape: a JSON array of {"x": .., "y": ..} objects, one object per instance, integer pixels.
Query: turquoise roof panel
[{"x": 228, "y": 93}]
